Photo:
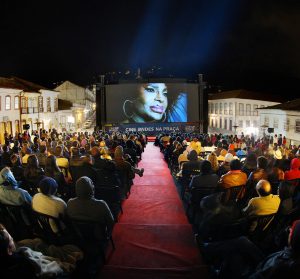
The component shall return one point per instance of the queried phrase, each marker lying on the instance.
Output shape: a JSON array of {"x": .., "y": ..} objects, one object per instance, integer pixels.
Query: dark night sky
[{"x": 235, "y": 43}]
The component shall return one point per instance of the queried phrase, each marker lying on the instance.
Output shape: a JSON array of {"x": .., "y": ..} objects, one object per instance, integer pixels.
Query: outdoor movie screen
[{"x": 152, "y": 102}]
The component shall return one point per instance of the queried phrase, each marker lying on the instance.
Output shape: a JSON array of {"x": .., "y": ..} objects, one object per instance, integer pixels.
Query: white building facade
[
  {"x": 23, "y": 102},
  {"x": 235, "y": 112},
  {"x": 82, "y": 99},
  {"x": 284, "y": 119}
]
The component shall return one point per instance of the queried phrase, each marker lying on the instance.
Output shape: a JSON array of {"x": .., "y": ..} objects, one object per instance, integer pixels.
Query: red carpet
[{"x": 153, "y": 237}]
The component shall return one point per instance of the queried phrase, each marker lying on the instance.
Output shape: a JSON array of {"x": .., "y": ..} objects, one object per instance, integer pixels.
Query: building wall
[
  {"x": 236, "y": 115},
  {"x": 286, "y": 123}
]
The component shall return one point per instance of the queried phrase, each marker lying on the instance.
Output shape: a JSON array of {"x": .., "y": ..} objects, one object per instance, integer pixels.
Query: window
[
  {"x": 297, "y": 127},
  {"x": 225, "y": 124},
  {"x": 221, "y": 108},
  {"x": 212, "y": 108},
  {"x": 225, "y": 108},
  {"x": 220, "y": 123},
  {"x": 255, "y": 111},
  {"x": 241, "y": 123},
  {"x": 275, "y": 123},
  {"x": 211, "y": 123},
  {"x": 247, "y": 123},
  {"x": 266, "y": 121},
  {"x": 254, "y": 123},
  {"x": 286, "y": 125},
  {"x": 40, "y": 104},
  {"x": 7, "y": 102},
  {"x": 248, "y": 109},
  {"x": 209, "y": 106},
  {"x": 16, "y": 102},
  {"x": 216, "y": 108},
  {"x": 55, "y": 104},
  {"x": 230, "y": 109},
  {"x": 48, "y": 105},
  {"x": 241, "y": 109}
]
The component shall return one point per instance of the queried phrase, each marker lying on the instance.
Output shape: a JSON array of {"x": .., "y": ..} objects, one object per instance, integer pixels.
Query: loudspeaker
[
  {"x": 26, "y": 127},
  {"x": 270, "y": 130}
]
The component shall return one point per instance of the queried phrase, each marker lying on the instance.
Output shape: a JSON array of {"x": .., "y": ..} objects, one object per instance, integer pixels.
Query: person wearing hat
[
  {"x": 225, "y": 166},
  {"x": 10, "y": 193},
  {"x": 86, "y": 207},
  {"x": 46, "y": 202},
  {"x": 221, "y": 157},
  {"x": 294, "y": 172}
]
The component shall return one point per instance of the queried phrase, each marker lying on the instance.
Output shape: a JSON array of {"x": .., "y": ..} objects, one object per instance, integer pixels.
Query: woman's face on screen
[{"x": 152, "y": 101}]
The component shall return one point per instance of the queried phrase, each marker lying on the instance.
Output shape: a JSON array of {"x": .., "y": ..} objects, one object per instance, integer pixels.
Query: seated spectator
[
  {"x": 286, "y": 192},
  {"x": 250, "y": 164},
  {"x": 28, "y": 152},
  {"x": 100, "y": 163},
  {"x": 61, "y": 161},
  {"x": 212, "y": 157},
  {"x": 104, "y": 151},
  {"x": 42, "y": 155},
  {"x": 86, "y": 169},
  {"x": 17, "y": 169},
  {"x": 86, "y": 207},
  {"x": 75, "y": 156},
  {"x": 5, "y": 156},
  {"x": 285, "y": 263},
  {"x": 33, "y": 173},
  {"x": 131, "y": 150},
  {"x": 32, "y": 258},
  {"x": 275, "y": 172},
  {"x": 221, "y": 157},
  {"x": 225, "y": 166},
  {"x": 266, "y": 203},
  {"x": 294, "y": 172},
  {"x": 10, "y": 193},
  {"x": 193, "y": 164},
  {"x": 257, "y": 175},
  {"x": 206, "y": 178},
  {"x": 47, "y": 202},
  {"x": 234, "y": 177}
]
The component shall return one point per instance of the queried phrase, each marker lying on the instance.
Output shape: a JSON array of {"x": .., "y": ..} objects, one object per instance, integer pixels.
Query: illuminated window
[
  {"x": 17, "y": 102},
  {"x": 220, "y": 123},
  {"x": 297, "y": 126},
  {"x": 40, "y": 104},
  {"x": 241, "y": 109},
  {"x": 286, "y": 125},
  {"x": 48, "y": 105},
  {"x": 7, "y": 102},
  {"x": 230, "y": 109},
  {"x": 221, "y": 108},
  {"x": 216, "y": 108},
  {"x": 255, "y": 111},
  {"x": 225, "y": 108},
  {"x": 56, "y": 104},
  {"x": 248, "y": 109},
  {"x": 241, "y": 123}
]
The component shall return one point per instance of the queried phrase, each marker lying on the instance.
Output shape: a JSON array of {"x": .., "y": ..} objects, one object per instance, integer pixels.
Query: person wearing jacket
[{"x": 294, "y": 172}]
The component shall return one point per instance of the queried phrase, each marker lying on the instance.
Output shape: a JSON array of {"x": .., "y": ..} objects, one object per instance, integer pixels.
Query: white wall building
[
  {"x": 237, "y": 111},
  {"x": 285, "y": 119},
  {"x": 82, "y": 97},
  {"x": 23, "y": 102}
]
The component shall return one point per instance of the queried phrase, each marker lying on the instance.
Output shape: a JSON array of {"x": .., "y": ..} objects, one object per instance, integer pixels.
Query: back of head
[
  {"x": 262, "y": 162},
  {"x": 206, "y": 167},
  {"x": 285, "y": 190},
  {"x": 193, "y": 156},
  {"x": 263, "y": 188},
  {"x": 84, "y": 188},
  {"x": 295, "y": 163},
  {"x": 95, "y": 152},
  {"x": 48, "y": 186},
  {"x": 15, "y": 160},
  {"x": 235, "y": 164},
  {"x": 119, "y": 152}
]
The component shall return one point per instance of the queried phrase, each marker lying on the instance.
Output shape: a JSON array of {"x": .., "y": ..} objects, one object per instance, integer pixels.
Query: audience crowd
[{"x": 241, "y": 195}]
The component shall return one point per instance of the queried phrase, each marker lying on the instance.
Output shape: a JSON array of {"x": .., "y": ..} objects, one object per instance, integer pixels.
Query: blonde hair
[{"x": 212, "y": 158}]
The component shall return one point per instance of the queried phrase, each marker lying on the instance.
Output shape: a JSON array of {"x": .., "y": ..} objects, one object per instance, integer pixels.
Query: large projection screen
[{"x": 152, "y": 102}]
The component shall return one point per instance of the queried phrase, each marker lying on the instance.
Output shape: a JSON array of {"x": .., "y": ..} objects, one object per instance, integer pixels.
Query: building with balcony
[
  {"x": 238, "y": 111},
  {"x": 23, "y": 102},
  {"x": 283, "y": 119}
]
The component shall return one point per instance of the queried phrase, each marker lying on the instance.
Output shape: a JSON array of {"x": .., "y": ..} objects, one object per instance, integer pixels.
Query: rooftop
[{"x": 18, "y": 83}]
